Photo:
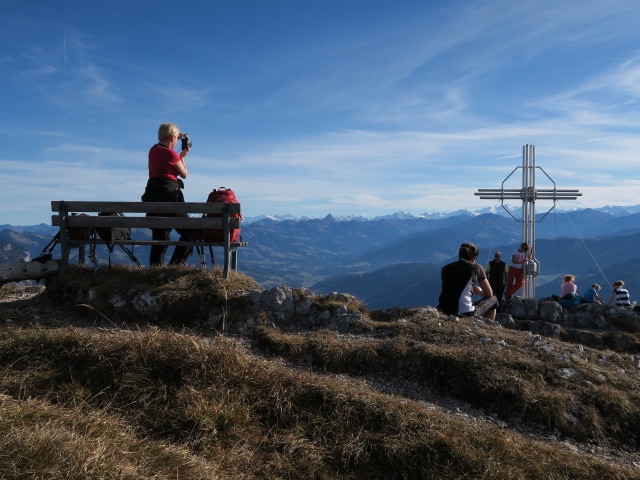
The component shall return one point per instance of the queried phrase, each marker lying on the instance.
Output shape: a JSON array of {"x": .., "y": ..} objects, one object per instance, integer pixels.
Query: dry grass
[
  {"x": 41, "y": 440},
  {"x": 156, "y": 404},
  {"x": 501, "y": 371},
  {"x": 152, "y": 403},
  {"x": 184, "y": 293}
]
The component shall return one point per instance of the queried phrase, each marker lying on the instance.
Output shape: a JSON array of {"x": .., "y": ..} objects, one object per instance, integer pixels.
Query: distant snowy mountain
[
  {"x": 616, "y": 211},
  {"x": 619, "y": 211},
  {"x": 272, "y": 218}
]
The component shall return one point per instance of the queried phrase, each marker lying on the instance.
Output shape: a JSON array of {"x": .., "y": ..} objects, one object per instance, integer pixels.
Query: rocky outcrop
[
  {"x": 599, "y": 326},
  {"x": 586, "y": 315},
  {"x": 288, "y": 308}
]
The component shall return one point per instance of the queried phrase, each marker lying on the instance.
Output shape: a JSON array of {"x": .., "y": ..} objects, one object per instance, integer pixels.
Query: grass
[
  {"x": 498, "y": 370},
  {"x": 151, "y": 402},
  {"x": 157, "y": 404},
  {"x": 183, "y": 295}
]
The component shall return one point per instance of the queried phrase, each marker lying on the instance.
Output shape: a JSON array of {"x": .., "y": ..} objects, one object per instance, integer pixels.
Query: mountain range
[{"x": 395, "y": 260}]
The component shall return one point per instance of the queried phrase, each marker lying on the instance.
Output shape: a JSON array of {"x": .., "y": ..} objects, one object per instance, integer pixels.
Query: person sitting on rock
[
  {"x": 591, "y": 295},
  {"x": 462, "y": 280},
  {"x": 568, "y": 295},
  {"x": 568, "y": 287},
  {"x": 620, "y": 295}
]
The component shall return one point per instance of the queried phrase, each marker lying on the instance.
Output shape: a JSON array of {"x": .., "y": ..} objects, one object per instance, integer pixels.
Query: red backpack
[
  {"x": 222, "y": 195},
  {"x": 78, "y": 233}
]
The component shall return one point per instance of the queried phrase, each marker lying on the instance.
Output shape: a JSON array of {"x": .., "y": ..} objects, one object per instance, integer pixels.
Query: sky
[{"x": 349, "y": 107}]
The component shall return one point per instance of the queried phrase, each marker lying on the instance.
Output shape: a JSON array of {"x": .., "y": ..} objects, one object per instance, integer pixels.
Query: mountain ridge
[{"x": 314, "y": 252}]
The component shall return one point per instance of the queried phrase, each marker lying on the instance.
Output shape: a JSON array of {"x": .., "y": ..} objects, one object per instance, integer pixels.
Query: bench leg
[
  {"x": 225, "y": 272},
  {"x": 64, "y": 254},
  {"x": 234, "y": 259}
]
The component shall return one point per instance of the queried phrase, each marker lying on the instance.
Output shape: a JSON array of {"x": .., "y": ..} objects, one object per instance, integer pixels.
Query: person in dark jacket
[
  {"x": 462, "y": 280},
  {"x": 166, "y": 167},
  {"x": 497, "y": 271}
]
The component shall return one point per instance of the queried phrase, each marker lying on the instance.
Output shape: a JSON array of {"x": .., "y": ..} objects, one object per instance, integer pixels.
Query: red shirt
[{"x": 162, "y": 161}]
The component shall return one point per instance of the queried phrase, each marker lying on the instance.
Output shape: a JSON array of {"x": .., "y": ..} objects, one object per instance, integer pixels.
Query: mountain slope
[{"x": 404, "y": 284}]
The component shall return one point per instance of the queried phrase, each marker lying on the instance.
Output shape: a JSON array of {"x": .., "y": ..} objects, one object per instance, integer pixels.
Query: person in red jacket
[
  {"x": 166, "y": 167},
  {"x": 515, "y": 277}
]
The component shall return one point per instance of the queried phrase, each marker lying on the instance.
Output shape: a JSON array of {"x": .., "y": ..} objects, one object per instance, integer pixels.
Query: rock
[
  {"x": 599, "y": 321},
  {"x": 428, "y": 311},
  {"x": 145, "y": 302},
  {"x": 303, "y": 306},
  {"x": 117, "y": 301},
  {"x": 519, "y": 307},
  {"x": 545, "y": 329},
  {"x": 567, "y": 372},
  {"x": 505, "y": 320},
  {"x": 550, "y": 311},
  {"x": 583, "y": 319},
  {"x": 92, "y": 295}
]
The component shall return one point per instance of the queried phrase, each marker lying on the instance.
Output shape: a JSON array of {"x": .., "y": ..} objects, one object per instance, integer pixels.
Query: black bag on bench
[
  {"x": 110, "y": 235},
  {"x": 113, "y": 234}
]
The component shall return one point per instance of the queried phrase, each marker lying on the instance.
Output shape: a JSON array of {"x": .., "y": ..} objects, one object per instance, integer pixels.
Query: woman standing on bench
[{"x": 165, "y": 166}]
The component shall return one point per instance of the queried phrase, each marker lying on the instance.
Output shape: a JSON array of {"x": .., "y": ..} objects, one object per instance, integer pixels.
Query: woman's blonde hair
[
  {"x": 618, "y": 283},
  {"x": 596, "y": 286},
  {"x": 569, "y": 278},
  {"x": 168, "y": 130}
]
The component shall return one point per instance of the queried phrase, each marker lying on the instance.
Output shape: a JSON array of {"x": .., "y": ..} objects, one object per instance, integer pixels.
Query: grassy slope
[{"x": 97, "y": 403}]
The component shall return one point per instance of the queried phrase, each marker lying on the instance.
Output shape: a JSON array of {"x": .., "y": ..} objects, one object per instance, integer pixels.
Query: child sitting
[{"x": 591, "y": 295}]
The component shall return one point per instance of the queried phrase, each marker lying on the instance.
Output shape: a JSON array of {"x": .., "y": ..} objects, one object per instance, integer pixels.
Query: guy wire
[{"x": 588, "y": 250}]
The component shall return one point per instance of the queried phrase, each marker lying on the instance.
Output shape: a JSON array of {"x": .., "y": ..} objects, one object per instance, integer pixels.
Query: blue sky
[{"x": 315, "y": 107}]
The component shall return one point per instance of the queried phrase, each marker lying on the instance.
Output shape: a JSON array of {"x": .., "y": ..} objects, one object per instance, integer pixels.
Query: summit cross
[{"x": 529, "y": 195}]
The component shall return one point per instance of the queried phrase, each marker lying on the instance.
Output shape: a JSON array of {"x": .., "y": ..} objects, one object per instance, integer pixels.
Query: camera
[{"x": 186, "y": 143}]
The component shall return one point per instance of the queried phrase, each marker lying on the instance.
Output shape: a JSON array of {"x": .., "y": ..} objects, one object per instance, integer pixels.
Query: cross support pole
[{"x": 528, "y": 194}]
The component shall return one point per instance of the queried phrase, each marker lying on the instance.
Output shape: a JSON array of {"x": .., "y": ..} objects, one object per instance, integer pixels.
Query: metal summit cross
[{"x": 528, "y": 194}]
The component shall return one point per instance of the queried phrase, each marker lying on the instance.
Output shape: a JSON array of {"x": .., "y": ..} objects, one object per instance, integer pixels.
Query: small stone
[{"x": 567, "y": 372}]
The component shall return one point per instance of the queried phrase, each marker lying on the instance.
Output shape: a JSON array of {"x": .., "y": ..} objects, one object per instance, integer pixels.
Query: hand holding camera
[{"x": 186, "y": 143}]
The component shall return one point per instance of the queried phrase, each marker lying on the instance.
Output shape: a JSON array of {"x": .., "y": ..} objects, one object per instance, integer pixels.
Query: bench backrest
[{"x": 162, "y": 212}]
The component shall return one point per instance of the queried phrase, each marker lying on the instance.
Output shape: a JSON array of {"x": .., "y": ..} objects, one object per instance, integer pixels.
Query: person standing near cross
[
  {"x": 497, "y": 271},
  {"x": 515, "y": 277}
]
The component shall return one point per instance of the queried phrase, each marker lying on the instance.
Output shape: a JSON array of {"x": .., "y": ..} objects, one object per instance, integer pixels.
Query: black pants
[
  {"x": 167, "y": 190},
  {"x": 498, "y": 290}
]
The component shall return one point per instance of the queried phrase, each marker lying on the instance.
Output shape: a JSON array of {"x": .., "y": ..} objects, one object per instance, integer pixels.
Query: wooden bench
[{"x": 64, "y": 219}]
